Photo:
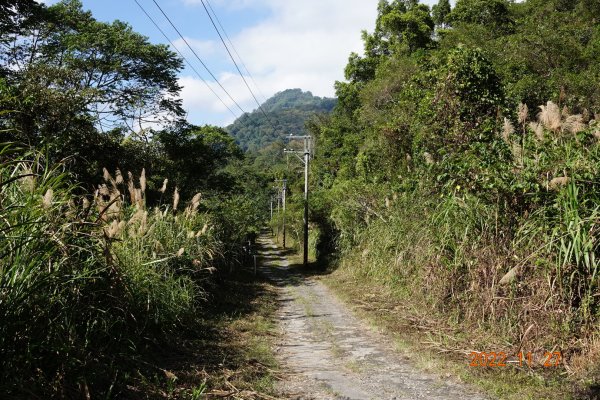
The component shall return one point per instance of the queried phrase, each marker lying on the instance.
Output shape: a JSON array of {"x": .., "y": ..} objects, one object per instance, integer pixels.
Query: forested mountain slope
[
  {"x": 287, "y": 113},
  {"x": 455, "y": 184}
]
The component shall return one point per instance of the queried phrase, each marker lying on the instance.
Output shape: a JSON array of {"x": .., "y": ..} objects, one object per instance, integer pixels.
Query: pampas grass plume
[
  {"x": 106, "y": 175},
  {"x": 118, "y": 177},
  {"x": 574, "y": 124},
  {"x": 143, "y": 180},
  {"x": 175, "y": 199},
  {"x": 47, "y": 199},
  {"x": 507, "y": 130},
  {"x": 131, "y": 188},
  {"x": 523, "y": 113},
  {"x": 550, "y": 116},
  {"x": 103, "y": 190},
  {"x": 538, "y": 130},
  {"x": 163, "y": 189}
]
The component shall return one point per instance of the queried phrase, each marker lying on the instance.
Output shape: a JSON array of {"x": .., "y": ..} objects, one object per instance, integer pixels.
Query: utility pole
[
  {"x": 306, "y": 160},
  {"x": 283, "y": 199},
  {"x": 278, "y": 198},
  {"x": 283, "y": 193}
]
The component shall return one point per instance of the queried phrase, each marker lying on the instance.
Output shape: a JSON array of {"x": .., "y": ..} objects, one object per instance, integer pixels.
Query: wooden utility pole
[{"x": 306, "y": 160}]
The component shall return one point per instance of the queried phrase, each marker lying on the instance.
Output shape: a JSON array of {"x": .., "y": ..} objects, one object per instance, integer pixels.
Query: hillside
[{"x": 288, "y": 111}]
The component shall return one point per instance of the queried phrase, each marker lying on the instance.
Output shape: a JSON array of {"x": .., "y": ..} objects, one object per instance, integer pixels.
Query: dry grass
[
  {"x": 442, "y": 347},
  {"x": 538, "y": 130},
  {"x": 558, "y": 121},
  {"x": 523, "y": 113},
  {"x": 507, "y": 130},
  {"x": 227, "y": 355},
  {"x": 550, "y": 116}
]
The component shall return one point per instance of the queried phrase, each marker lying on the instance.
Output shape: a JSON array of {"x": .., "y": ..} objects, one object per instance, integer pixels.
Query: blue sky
[{"x": 283, "y": 43}]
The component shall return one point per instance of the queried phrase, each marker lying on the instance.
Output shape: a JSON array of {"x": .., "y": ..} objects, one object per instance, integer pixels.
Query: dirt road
[{"x": 330, "y": 354}]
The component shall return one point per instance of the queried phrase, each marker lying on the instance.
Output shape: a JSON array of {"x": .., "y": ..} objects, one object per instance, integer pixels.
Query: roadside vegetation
[
  {"x": 458, "y": 181},
  {"x": 121, "y": 246}
]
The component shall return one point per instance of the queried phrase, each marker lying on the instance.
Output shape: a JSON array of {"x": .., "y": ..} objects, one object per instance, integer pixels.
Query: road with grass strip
[{"x": 328, "y": 353}]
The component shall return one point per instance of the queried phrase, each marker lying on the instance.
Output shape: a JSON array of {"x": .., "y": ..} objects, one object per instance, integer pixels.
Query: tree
[
  {"x": 440, "y": 13},
  {"x": 17, "y": 13},
  {"x": 194, "y": 157},
  {"x": 493, "y": 14},
  {"x": 287, "y": 113},
  {"x": 469, "y": 84},
  {"x": 72, "y": 73},
  {"x": 411, "y": 27}
]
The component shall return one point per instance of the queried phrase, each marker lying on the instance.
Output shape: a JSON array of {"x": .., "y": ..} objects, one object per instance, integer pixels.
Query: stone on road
[{"x": 331, "y": 354}]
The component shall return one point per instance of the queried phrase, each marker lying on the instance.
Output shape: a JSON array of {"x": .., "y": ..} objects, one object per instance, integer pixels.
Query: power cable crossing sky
[
  {"x": 206, "y": 5},
  {"x": 198, "y": 57},
  {"x": 186, "y": 60},
  {"x": 236, "y": 65}
]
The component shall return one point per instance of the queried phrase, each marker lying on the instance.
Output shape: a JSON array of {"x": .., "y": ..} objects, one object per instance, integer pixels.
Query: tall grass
[
  {"x": 514, "y": 257},
  {"x": 86, "y": 283}
]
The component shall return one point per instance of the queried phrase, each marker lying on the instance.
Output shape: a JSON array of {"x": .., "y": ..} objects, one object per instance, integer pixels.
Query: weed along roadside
[
  {"x": 228, "y": 354},
  {"x": 134, "y": 302},
  {"x": 442, "y": 348}
]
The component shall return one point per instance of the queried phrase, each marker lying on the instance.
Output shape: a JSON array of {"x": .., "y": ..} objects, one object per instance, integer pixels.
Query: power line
[
  {"x": 236, "y": 65},
  {"x": 235, "y": 51},
  {"x": 186, "y": 60},
  {"x": 199, "y": 59}
]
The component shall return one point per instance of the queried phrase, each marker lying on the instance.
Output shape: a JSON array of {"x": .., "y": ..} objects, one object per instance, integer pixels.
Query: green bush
[{"x": 87, "y": 283}]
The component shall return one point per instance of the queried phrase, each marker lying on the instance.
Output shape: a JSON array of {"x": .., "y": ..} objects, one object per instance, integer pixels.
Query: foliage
[
  {"x": 440, "y": 12},
  {"x": 493, "y": 14},
  {"x": 72, "y": 78},
  {"x": 446, "y": 174},
  {"x": 88, "y": 284},
  {"x": 101, "y": 266}
]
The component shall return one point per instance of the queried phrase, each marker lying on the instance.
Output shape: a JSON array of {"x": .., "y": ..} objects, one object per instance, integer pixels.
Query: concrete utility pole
[
  {"x": 278, "y": 198},
  {"x": 306, "y": 160},
  {"x": 283, "y": 199},
  {"x": 283, "y": 192}
]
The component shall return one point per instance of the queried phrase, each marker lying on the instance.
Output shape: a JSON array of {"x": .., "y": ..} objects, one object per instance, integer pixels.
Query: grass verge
[
  {"x": 436, "y": 347},
  {"x": 227, "y": 355}
]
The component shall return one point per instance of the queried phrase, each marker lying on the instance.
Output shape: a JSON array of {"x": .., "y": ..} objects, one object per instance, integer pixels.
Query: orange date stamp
[{"x": 551, "y": 359}]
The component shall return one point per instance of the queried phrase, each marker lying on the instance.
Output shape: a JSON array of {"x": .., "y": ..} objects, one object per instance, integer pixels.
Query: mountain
[{"x": 287, "y": 113}]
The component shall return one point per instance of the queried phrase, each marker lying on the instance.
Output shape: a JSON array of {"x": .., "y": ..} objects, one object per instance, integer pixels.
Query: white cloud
[
  {"x": 305, "y": 44},
  {"x": 203, "y": 48},
  {"x": 301, "y": 44},
  {"x": 198, "y": 97}
]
